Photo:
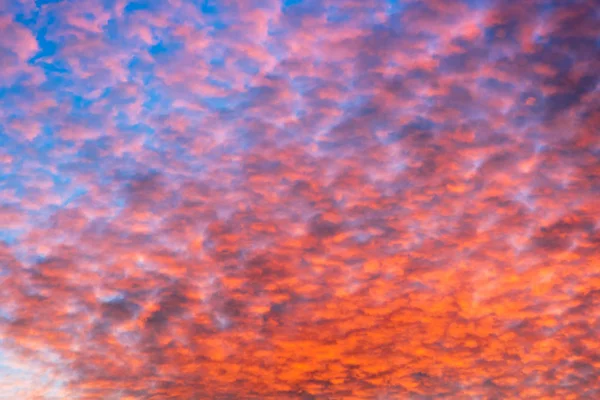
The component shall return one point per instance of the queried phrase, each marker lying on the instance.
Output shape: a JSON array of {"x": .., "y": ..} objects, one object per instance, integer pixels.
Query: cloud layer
[{"x": 299, "y": 200}]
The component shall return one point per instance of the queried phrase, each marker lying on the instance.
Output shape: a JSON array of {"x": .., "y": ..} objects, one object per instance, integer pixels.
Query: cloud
[
  {"x": 299, "y": 199},
  {"x": 17, "y": 46}
]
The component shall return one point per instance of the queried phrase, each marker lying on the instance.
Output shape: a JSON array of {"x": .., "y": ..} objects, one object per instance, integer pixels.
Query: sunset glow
[{"x": 299, "y": 199}]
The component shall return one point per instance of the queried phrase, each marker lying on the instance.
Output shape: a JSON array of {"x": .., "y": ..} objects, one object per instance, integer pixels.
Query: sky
[{"x": 299, "y": 199}]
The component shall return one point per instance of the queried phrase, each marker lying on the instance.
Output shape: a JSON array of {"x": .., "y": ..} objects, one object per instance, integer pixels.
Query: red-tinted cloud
[{"x": 349, "y": 199}]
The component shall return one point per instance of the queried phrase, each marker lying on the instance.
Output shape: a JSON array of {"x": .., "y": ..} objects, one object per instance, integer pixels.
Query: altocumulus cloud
[{"x": 310, "y": 199}]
